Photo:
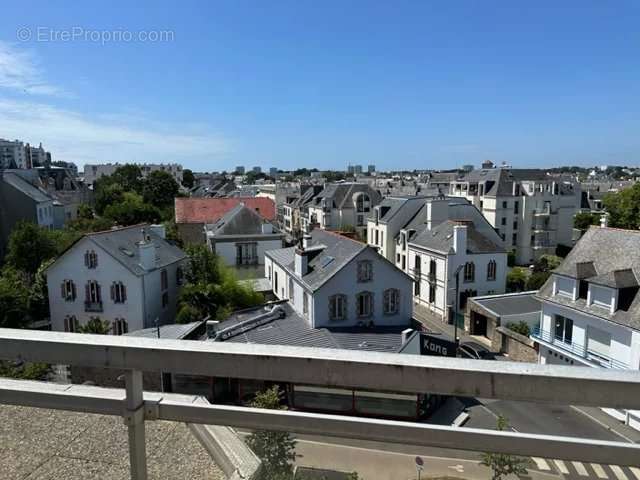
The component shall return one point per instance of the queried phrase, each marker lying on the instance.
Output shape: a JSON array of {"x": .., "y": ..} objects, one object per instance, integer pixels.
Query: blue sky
[{"x": 424, "y": 84}]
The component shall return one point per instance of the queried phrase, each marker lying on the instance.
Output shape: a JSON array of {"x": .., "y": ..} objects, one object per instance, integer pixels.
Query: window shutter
[
  {"x": 98, "y": 296},
  {"x": 123, "y": 292},
  {"x": 66, "y": 324},
  {"x": 73, "y": 290},
  {"x": 113, "y": 291},
  {"x": 63, "y": 291},
  {"x": 86, "y": 258},
  {"x": 87, "y": 293}
]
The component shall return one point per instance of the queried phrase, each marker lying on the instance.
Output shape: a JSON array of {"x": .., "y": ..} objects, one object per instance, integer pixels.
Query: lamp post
[{"x": 455, "y": 307}]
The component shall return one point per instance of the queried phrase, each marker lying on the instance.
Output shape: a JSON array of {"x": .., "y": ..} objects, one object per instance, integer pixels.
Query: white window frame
[
  {"x": 367, "y": 311},
  {"x": 391, "y": 301},
  {"x": 365, "y": 271},
  {"x": 338, "y": 307}
]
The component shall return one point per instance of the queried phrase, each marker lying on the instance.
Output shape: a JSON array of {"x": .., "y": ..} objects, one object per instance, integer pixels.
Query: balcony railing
[
  {"x": 323, "y": 367},
  {"x": 94, "y": 307},
  {"x": 594, "y": 358}
]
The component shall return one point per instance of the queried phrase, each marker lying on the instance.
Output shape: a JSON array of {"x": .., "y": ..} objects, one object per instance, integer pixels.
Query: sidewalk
[
  {"x": 433, "y": 323},
  {"x": 625, "y": 432}
]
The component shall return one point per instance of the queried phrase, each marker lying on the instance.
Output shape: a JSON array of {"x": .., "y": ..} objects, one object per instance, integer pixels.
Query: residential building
[
  {"x": 21, "y": 200},
  {"x": 241, "y": 237},
  {"x": 192, "y": 214},
  {"x": 342, "y": 206},
  {"x": 371, "y": 168},
  {"x": 454, "y": 259},
  {"x": 531, "y": 210},
  {"x": 16, "y": 154},
  {"x": 130, "y": 277},
  {"x": 257, "y": 169},
  {"x": 332, "y": 280},
  {"x": 591, "y": 306},
  {"x": 239, "y": 170},
  {"x": 92, "y": 172},
  {"x": 294, "y": 208}
]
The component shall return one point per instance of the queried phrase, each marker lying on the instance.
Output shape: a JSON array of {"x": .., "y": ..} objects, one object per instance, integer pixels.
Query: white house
[
  {"x": 333, "y": 281},
  {"x": 242, "y": 236},
  {"x": 130, "y": 277},
  {"x": 340, "y": 206},
  {"x": 463, "y": 246},
  {"x": 531, "y": 210},
  {"x": 591, "y": 307}
]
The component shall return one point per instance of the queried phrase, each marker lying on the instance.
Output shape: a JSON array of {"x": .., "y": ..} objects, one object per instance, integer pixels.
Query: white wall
[{"x": 227, "y": 249}]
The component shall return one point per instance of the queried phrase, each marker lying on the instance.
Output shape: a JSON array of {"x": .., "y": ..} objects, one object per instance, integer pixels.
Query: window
[
  {"x": 382, "y": 239},
  {"x": 514, "y": 239},
  {"x": 71, "y": 324},
  {"x": 120, "y": 326},
  {"x": 164, "y": 280},
  {"x": 337, "y": 307},
  {"x": 397, "y": 258},
  {"x": 515, "y": 225},
  {"x": 491, "y": 270},
  {"x": 91, "y": 259},
  {"x": 275, "y": 282},
  {"x": 504, "y": 204},
  {"x": 416, "y": 287},
  {"x": 365, "y": 304},
  {"x": 432, "y": 293},
  {"x": 118, "y": 292},
  {"x": 504, "y": 221},
  {"x": 179, "y": 276},
  {"x": 291, "y": 289},
  {"x": 305, "y": 303},
  {"x": 469, "y": 272},
  {"x": 365, "y": 271},
  {"x": 165, "y": 299},
  {"x": 563, "y": 329},
  {"x": 376, "y": 242},
  {"x": 68, "y": 290},
  {"x": 516, "y": 204},
  {"x": 391, "y": 301},
  {"x": 92, "y": 292},
  {"x": 583, "y": 289},
  {"x": 404, "y": 262},
  {"x": 247, "y": 253},
  {"x": 433, "y": 267},
  {"x": 464, "y": 296},
  {"x": 269, "y": 272}
]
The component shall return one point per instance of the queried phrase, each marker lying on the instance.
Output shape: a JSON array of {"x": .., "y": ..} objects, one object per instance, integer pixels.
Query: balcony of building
[
  {"x": 144, "y": 412},
  {"x": 577, "y": 351}
]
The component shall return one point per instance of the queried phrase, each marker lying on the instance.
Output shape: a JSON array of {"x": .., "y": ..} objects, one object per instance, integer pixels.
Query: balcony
[
  {"x": 591, "y": 358},
  {"x": 404, "y": 374},
  {"x": 93, "y": 307}
]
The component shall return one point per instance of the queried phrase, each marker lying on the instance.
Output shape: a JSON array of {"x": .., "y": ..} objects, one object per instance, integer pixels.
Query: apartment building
[
  {"x": 17, "y": 154},
  {"x": 531, "y": 210},
  {"x": 591, "y": 306},
  {"x": 130, "y": 277}
]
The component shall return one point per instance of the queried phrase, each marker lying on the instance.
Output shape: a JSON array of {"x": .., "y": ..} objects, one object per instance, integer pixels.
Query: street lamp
[{"x": 455, "y": 306}]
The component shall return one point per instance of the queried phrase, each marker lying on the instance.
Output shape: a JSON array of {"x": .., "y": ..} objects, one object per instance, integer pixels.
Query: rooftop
[
  {"x": 440, "y": 239},
  {"x": 210, "y": 210},
  {"x": 509, "y": 304}
]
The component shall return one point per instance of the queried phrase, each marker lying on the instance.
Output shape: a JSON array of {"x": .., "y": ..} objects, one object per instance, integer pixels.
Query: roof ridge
[{"x": 117, "y": 229}]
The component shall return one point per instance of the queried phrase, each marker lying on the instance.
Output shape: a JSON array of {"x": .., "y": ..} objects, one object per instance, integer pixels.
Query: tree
[
  {"x": 624, "y": 208},
  {"x": 96, "y": 326},
  {"x": 511, "y": 258},
  {"x": 106, "y": 193},
  {"x": 14, "y": 299},
  {"x": 537, "y": 279},
  {"x": 516, "y": 279},
  {"x": 129, "y": 177},
  {"x": 159, "y": 189},
  {"x": 29, "y": 246},
  {"x": 521, "y": 327},
  {"x": 502, "y": 464},
  {"x": 132, "y": 210},
  {"x": 275, "y": 449},
  {"x": 188, "y": 179},
  {"x": 85, "y": 212},
  {"x": 583, "y": 220}
]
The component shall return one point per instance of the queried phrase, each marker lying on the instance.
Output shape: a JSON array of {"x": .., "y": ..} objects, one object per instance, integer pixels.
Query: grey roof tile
[{"x": 440, "y": 238}]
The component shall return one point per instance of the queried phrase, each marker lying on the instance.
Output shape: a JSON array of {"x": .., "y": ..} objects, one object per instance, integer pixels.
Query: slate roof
[
  {"x": 122, "y": 245},
  {"x": 291, "y": 329},
  {"x": 210, "y": 210},
  {"x": 390, "y": 206},
  {"x": 499, "y": 181},
  {"x": 175, "y": 331},
  {"x": 440, "y": 239},
  {"x": 341, "y": 193},
  {"x": 336, "y": 252},
  {"x": 510, "y": 304},
  {"x": 240, "y": 220},
  {"x": 615, "y": 258},
  {"x": 25, "y": 187}
]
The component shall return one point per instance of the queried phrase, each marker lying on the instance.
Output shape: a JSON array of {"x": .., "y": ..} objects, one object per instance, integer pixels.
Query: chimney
[
  {"x": 405, "y": 334},
  {"x": 300, "y": 262},
  {"x": 306, "y": 241},
  {"x": 267, "y": 228},
  {"x": 159, "y": 230},
  {"x": 460, "y": 239},
  {"x": 604, "y": 220},
  {"x": 147, "y": 252}
]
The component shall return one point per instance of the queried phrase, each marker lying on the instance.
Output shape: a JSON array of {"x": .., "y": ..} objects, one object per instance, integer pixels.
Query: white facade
[
  {"x": 228, "y": 249},
  {"x": 315, "y": 305},
  {"x": 92, "y": 172},
  {"x": 73, "y": 297}
]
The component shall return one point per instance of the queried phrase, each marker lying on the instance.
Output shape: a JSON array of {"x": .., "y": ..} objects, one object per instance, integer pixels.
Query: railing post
[{"x": 134, "y": 419}]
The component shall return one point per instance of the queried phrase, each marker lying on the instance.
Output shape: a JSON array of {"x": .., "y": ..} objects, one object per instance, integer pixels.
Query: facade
[
  {"x": 341, "y": 206},
  {"x": 242, "y": 236},
  {"x": 130, "y": 277},
  {"x": 16, "y": 154},
  {"x": 463, "y": 245},
  {"x": 331, "y": 280},
  {"x": 294, "y": 208},
  {"x": 591, "y": 306},
  {"x": 531, "y": 210},
  {"x": 192, "y": 214},
  {"x": 20, "y": 200},
  {"x": 92, "y": 172}
]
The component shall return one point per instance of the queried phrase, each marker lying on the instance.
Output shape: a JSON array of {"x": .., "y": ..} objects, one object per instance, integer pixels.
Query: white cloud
[
  {"x": 19, "y": 71},
  {"x": 82, "y": 138},
  {"x": 75, "y": 137}
]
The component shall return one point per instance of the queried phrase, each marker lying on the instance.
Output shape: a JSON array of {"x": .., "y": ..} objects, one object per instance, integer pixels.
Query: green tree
[
  {"x": 14, "y": 299},
  {"x": 516, "y": 279},
  {"x": 29, "y": 246},
  {"x": 501, "y": 464},
  {"x": 24, "y": 371},
  {"x": 188, "y": 179},
  {"x": 521, "y": 327},
  {"x": 277, "y": 450},
  {"x": 132, "y": 210},
  {"x": 537, "y": 279},
  {"x": 106, "y": 193},
  {"x": 511, "y": 258},
  {"x": 160, "y": 189},
  {"x": 583, "y": 220},
  {"x": 129, "y": 177},
  {"x": 96, "y": 326},
  {"x": 203, "y": 265},
  {"x": 624, "y": 208},
  {"x": 85, "y": 212}
]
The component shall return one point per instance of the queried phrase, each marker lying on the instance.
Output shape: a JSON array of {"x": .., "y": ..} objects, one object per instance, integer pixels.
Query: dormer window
[
  {"x": 365, "y": 271},
  {"x": 91, "y": 259}
]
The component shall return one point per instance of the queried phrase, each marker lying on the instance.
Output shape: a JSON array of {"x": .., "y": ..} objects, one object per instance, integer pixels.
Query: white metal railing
[{"x": 326, "y": 367}]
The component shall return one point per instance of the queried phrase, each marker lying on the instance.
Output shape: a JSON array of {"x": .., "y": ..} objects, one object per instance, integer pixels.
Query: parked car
[{"x": 476, "y": 351}]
